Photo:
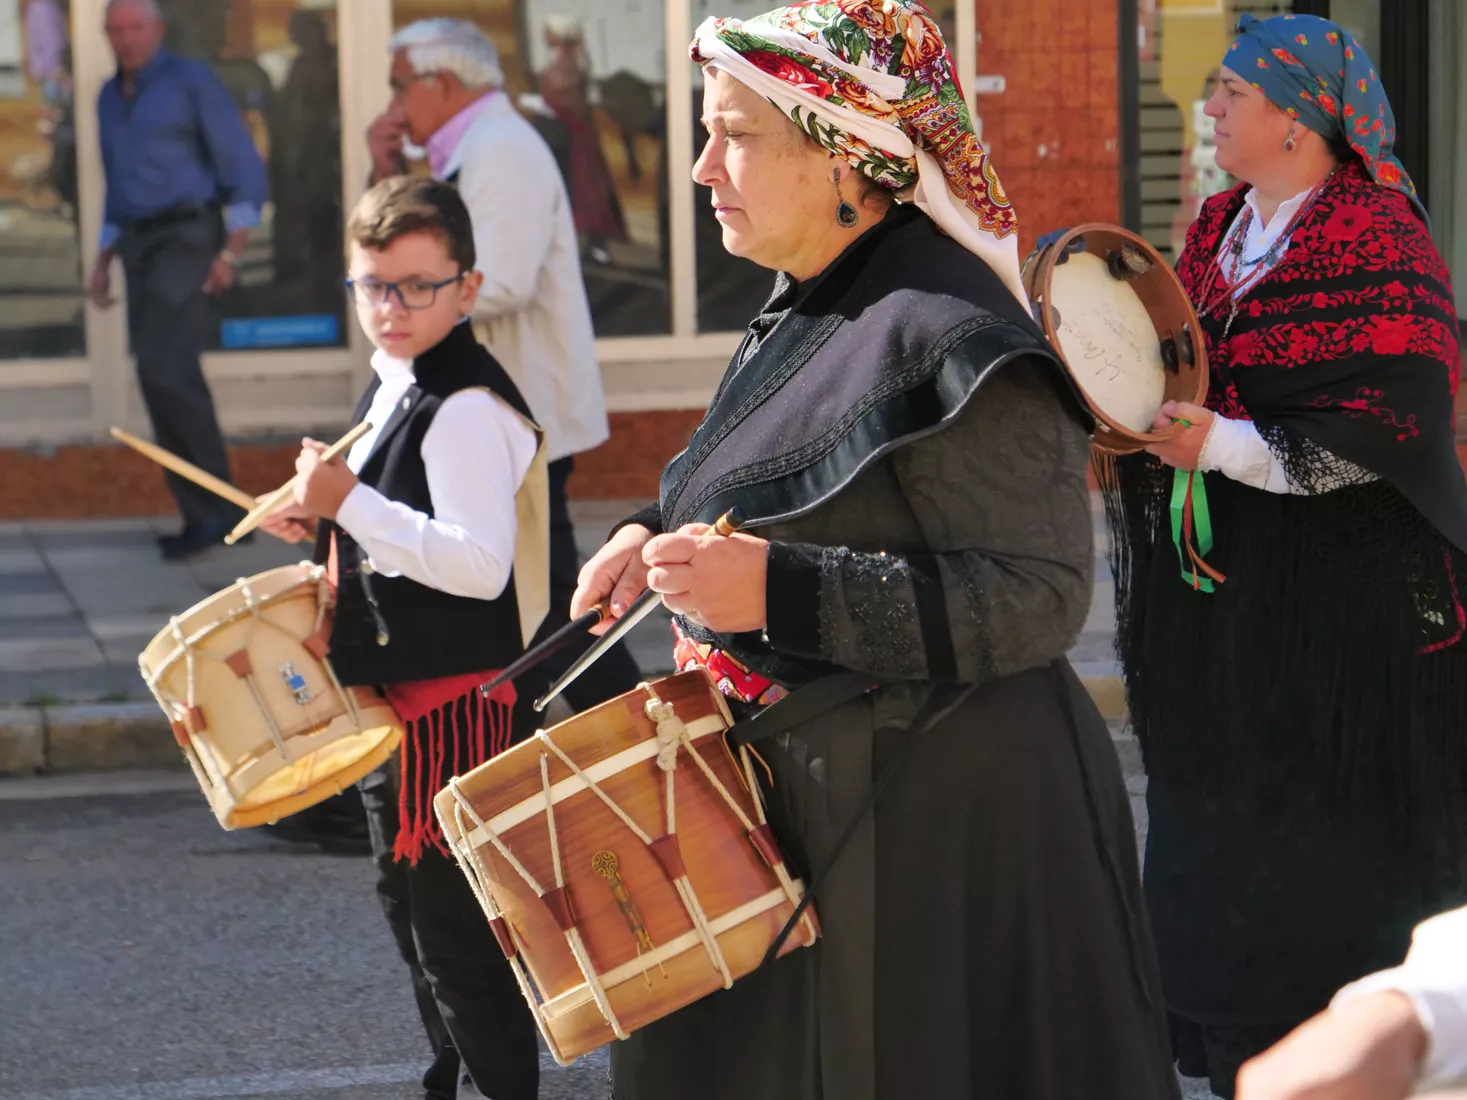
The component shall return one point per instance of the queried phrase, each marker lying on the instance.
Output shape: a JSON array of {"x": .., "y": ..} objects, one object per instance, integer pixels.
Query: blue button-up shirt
[{"x": 179, "y": 141}]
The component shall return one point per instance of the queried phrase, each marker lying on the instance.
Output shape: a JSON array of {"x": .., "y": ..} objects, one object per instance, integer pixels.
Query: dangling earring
[
  {"x": 845, "y": 213},
  {"x": 1289, "y": 143}
]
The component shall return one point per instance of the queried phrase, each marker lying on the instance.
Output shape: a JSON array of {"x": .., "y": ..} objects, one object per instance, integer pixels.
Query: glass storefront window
[
  {"x": 279, "y": 62},
  {"x": 40, "y": 255},
  {"x": 590, "y": 76},
  {"x": 1179, "y": 47}
]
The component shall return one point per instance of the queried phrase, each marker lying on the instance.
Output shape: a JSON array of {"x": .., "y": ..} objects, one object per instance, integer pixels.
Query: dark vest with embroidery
[
  {"x": 887, "y": 346},
  {"x": 392, "y": 629}
]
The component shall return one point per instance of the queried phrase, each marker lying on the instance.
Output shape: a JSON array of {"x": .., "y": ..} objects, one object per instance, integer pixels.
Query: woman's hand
[
  {"x": 291, "y": 523},
  {"x": 1367, "y": 1049},
  {"x": 321, "y": 487},
  {"x": 714, "y": 581},
  {"x": 1183, "y": 449},
  {"x": 617, "y": 572}
]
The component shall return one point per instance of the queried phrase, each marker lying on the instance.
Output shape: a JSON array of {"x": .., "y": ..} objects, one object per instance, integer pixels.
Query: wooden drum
[
  {"x": 261, "y": 718},
  {"x": 623, "y": 862},
  {"x": 1121, "y": 321}
]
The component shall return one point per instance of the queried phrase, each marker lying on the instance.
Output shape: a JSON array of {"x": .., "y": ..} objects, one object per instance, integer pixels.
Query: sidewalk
[{"x": 80, "y": 599}]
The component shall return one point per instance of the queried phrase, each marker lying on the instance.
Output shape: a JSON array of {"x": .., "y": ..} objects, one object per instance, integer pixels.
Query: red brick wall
[
  {"x": 1055, "y": 130},
  {"x": 111, "y": 480},
  {"x": 627, "y": 466}
]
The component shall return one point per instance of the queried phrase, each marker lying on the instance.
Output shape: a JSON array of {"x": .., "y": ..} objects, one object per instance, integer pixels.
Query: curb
[
  {"x": 85, "y": 737},
  {"x": 35, "y": 740}
]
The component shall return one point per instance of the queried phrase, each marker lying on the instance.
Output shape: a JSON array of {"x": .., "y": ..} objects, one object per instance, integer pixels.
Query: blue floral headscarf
[{"x": 1317, "y": 73}]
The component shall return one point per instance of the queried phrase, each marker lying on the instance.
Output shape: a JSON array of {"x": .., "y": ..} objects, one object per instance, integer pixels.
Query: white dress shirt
[
  {"x": 1434, "y": 977},
  {"x": 532, "y": 312},
  {"x": 476, "y": 452},
  {"x": 1235, "y": 448}
]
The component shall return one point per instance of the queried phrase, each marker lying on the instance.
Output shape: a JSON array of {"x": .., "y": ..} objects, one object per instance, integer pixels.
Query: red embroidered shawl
[{"x": 1351, "y": 341}]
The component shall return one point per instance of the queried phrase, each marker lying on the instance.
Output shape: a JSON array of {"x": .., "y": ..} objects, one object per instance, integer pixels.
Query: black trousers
[
  {"x": 168, "y": 317},
  {"x": 471, "y": 1006}
]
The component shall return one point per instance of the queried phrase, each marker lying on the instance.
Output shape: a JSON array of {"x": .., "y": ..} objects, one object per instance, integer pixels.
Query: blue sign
[{"x": 302, "y": 330}]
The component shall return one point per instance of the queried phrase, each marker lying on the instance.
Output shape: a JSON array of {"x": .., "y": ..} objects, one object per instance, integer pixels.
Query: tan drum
[
  {"x": 260, "y": 716},
  {"x": 1121, "y": 321},
  {"x": 623, "y": 863}
]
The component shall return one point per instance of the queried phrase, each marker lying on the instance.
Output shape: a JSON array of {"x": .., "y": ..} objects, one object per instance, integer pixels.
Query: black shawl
[{"x": 875, "y": 353}]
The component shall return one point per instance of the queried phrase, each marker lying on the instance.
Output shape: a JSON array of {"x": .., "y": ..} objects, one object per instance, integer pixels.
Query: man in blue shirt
[{"x": 184, "y": 187}]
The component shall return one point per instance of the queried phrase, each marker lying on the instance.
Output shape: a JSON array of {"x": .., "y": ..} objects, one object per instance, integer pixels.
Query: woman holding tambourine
[{"x": 1293, "y": 651}]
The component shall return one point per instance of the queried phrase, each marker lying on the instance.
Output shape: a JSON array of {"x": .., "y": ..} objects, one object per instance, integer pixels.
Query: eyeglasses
[
  {"x": 400, "y": 87},
  {"x": 416, "y": 294}
]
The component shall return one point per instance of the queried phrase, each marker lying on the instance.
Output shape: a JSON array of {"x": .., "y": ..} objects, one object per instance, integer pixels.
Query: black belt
[{"x": 174, "y": 215}]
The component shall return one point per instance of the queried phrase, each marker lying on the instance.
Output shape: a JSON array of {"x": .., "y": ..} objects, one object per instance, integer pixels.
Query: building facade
[{"x": 1091, "y": 110}]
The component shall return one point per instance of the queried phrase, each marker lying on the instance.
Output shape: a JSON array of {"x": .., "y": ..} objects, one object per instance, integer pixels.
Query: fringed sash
[{"x": 450, "y": 729}]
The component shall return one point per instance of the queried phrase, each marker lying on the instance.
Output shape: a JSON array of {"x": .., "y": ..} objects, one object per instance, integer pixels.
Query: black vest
[{"x": 392, "y": 629}]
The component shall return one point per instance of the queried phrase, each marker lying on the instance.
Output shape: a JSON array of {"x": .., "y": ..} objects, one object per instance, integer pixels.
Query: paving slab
[
  {"x": 36, "y": 654},
  {"x": 34, "y": 605},
  {"x": 20, "y": 556},
  {"x": 21, "y": 583}
]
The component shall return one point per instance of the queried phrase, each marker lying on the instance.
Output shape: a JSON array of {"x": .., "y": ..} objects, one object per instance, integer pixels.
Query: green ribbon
[{"x": 1184, "y": 481}]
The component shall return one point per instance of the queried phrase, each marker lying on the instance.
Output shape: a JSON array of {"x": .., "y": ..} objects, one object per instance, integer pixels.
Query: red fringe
[{"x": 444, "y": 736}]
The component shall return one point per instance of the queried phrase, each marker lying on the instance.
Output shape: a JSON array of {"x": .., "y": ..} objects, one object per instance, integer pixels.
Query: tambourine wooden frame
[{"x": 1189, "y": 383}]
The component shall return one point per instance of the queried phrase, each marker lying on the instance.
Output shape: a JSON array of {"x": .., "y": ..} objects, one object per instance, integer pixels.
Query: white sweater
[{"x": 532, "y": 312}]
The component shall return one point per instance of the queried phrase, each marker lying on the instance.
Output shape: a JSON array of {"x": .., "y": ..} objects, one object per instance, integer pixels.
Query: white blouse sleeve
[
  {"x": 476, "y": 452},
  {"x": 1235, "y": 449},
  {"x": 1434, "y": 977}
]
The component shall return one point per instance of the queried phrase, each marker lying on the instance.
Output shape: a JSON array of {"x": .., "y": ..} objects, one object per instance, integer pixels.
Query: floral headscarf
[
  {"x": 873, "y": 82},
  {"x": 1316, "y": 72}
]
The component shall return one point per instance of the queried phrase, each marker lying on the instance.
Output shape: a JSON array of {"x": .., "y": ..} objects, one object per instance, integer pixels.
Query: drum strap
[{"x": 810, "y": 702}]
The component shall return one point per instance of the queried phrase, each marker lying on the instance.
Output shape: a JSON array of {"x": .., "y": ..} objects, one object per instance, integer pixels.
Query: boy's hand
[
  {"x": 321, "y": 487},
  {"x": 290, "y": 524}
]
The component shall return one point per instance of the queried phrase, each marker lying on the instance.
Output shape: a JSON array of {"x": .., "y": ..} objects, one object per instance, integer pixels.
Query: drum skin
[
  {"x": 1111, "y": 331},
  {"x": 723, "y": 866},
  {"x": 247, "y": 665}
]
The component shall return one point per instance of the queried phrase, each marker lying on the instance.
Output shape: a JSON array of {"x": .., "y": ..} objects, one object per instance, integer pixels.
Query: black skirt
[{"x": 984, "y": 935}]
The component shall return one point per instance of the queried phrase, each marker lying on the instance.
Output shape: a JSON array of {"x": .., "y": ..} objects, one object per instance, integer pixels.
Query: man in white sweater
[
  {"x": 532, "y": 312},
  {"x": 1398, "y": 1033}
]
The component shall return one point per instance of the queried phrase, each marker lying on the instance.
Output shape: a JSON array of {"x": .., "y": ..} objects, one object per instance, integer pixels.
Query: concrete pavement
[
  {"x": 80, "y": 599},
  {"x": 150, "y": 956}
]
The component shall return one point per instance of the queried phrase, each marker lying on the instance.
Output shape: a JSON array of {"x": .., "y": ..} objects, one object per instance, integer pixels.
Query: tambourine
[{"x": 1119, "y": 318}]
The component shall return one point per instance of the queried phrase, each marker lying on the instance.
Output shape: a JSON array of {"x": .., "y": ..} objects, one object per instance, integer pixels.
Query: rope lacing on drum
[
  {"x": 672, "y": 735},
  {"x": 478, "y": 875},
  {"x": 670, "y": 729},
  {"x": 253, "y": 606},
  {"x": 572, "y": 933},
  {"x": 671, "y": 732}
]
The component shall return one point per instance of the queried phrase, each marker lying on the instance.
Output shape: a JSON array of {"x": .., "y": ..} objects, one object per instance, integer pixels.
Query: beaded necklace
[{"x": 1236, "y": 287}]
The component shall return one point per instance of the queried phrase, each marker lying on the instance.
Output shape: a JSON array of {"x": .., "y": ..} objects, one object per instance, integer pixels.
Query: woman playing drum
[
  {"x": 910, "y": 460},
  {"x": 1302, "y": 719}
]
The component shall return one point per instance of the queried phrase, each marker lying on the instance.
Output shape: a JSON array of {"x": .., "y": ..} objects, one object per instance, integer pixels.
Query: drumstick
[
  {"x": 642, "y": 606},
  {"x": 282, "y": 494},
  {"x": 549, "y": 647},
  {"x": 187, "y": 470}
]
